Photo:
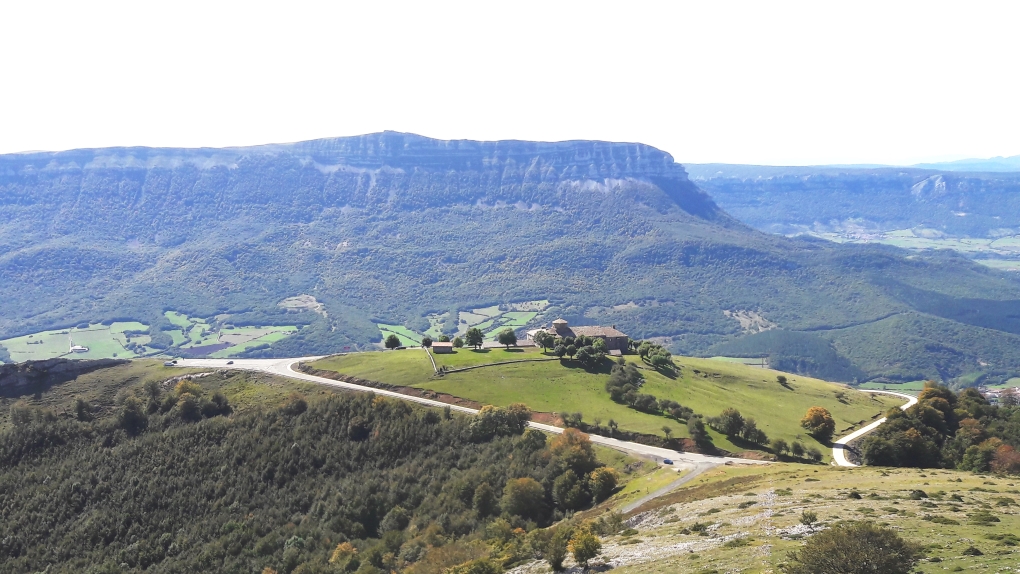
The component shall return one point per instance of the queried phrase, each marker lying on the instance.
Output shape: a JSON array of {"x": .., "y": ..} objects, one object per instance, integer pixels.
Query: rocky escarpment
[
  {"x": 49, "y": 372},
  {"x": 163, "y": 195}
]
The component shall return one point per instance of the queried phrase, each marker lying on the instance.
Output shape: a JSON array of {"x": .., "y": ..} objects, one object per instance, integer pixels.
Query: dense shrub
[{"x": 852, "y": 548}]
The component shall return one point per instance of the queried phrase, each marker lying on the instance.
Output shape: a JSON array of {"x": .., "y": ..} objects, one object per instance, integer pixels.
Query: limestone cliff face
[{"x": 148, "y": 193}]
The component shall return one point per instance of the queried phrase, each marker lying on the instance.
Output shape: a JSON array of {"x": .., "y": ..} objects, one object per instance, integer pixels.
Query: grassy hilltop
[
  {"x": 718, "y": 522},
  {"x": 564, "y": 387}
]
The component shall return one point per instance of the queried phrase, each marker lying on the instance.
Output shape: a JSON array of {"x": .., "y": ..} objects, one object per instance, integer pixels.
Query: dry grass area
[{"x": 746, "y": 519}]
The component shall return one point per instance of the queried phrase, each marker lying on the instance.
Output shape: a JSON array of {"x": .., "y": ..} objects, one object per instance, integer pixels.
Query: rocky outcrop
[{"x": 49, "y": 372}]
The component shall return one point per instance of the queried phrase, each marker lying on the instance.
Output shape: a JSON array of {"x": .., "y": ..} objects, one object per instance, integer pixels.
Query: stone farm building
[
  {"x": 616, "y": 341},
  {"x": 441, "y": 347}
]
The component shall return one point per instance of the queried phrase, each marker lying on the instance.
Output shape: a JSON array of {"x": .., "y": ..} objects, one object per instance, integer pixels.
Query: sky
[{"x": 776, "y": 83}]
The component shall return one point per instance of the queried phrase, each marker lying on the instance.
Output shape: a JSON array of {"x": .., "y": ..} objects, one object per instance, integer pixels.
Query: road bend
[
  {"x": 839, "y": 447},
  {"x": 287, "y": 368}
]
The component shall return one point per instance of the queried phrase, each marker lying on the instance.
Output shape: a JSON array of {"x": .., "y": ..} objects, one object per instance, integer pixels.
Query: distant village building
[
  {"x": 76, "y": 348},
  {"x": 616, "y": 341},
  {"x": 442, "y": 347}
]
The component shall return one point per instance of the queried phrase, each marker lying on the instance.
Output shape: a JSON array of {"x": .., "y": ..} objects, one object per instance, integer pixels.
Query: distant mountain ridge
[
  {"x": 394, "y": 228},
  {"x": 992, "y": 164},
  {"x": 825, "y": 198}
]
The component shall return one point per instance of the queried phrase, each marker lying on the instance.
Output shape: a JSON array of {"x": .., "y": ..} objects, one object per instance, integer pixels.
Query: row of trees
[{"x": 818, "y": 422}]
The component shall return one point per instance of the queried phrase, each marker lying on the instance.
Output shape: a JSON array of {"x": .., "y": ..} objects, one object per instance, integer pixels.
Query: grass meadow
[{"x": 565, "y": 387}]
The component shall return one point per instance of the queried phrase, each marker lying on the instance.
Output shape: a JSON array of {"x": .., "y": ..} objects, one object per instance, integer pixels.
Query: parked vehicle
[
  {"x": 169, "y": 363},
  {"x": 667, "y": 461},
  {"x": 230, "y": 362}
]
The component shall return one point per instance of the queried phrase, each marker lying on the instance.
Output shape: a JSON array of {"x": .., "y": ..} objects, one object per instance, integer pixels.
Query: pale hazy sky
[{"x": 738, "y": 82}]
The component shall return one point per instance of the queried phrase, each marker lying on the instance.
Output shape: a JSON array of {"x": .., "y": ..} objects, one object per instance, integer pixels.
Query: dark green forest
[
  {"x": 392, "y": 227},
  {"x": 176, "y": 478}
]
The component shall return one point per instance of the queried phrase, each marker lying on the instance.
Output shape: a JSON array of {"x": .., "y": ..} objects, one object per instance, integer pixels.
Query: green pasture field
[
  {"x": 408, "y": 338},
  {"x": 715, "y": 497},
  {"x": 646, "y": 484},
  {"x": 197, "y": 332},
  {"x": 997, "y": 253},
  {"x": 471, "y": 318},
  {"x": 519, "y": 318},
  {"x": 969, "y": 379},
  {"x": 240, "y": 348},
  {"x": 110, "y": 341},
  {"x": 489, "y": 319},
  {"x": 1009, "y": 384},
  {"x": 552, "y": 386},
  {"x": 103, "y": 341},
  {"x": 1000, "y": 264},
  {"x": 742, "y": 360},
  {"x": 489, "y": 312},
  {"x": 910, "y": 388},
  {"x": 178, "y": 319},
  {"x": 121, "y": 327},
  {"x": 201, "y": 335}
]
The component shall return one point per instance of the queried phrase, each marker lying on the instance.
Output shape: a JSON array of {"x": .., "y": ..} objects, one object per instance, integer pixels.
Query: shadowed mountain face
[{"x": 393, "y": 227}]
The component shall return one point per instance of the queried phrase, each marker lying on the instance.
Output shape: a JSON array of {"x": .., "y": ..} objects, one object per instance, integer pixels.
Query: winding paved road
[
  {"x": 285, "y": 368},
  {"x": 839, "y": 447}
]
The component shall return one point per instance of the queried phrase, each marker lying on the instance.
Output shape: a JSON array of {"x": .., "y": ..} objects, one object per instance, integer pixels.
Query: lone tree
[
  {"x": 507, "y": 337},
  {"x": 474, "y": 337},
  {"x": 854, "y": 548},
  {"x": 392, "y": 341},
  {"x": 458, "y": 342},
  {"x": 731, "y": 422},
  {"x": 571, "y": 351},
  {"x": 819, "y": 423},
  {"x": 584, "y": 546},
  {"x": 426, "y": 342},
  {"x": 544, "y": 339},
  {"x": 667, "y": 431},
  {"x": 779, "y": 446}
]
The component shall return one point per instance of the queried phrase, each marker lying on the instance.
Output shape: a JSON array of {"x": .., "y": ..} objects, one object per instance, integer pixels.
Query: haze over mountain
[
  {"x": 827, "y": 198},
  {"x": 394, "y": 227}
]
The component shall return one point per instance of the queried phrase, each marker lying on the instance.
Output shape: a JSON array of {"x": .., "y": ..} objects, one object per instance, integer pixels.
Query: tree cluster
[
  {"x": 589, "y": 351},
  {"x": 732, "y": 424},
  {"x": 946, "y": 429},
  {"x": 655, "y": 355},
  {"x": 624, "y": 384}
]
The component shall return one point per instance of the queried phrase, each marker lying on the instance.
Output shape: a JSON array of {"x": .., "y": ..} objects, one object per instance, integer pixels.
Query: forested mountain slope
[{"x": 391, "y": 228}]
